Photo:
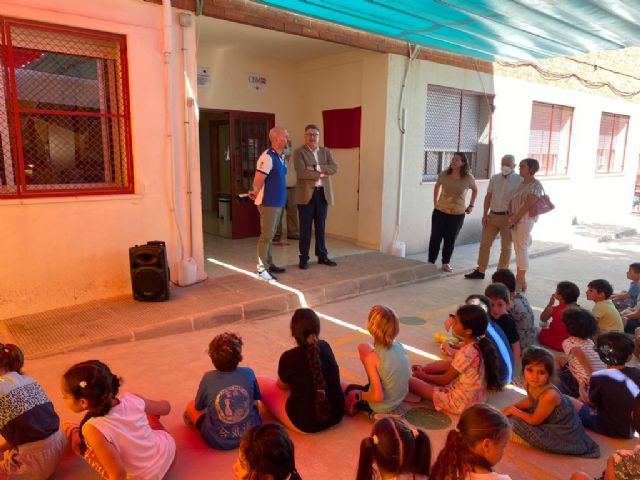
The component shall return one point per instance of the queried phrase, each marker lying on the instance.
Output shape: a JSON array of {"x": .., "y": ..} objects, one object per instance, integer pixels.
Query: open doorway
[{"x": 230, "y": 144}]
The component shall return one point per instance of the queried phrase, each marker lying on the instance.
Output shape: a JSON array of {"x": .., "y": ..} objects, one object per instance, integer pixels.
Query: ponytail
[
  {"x": 11, "y": 358},
  {"x": 93, "y": 382},
  {"x": 457, "y": 459},
  {"x": 305, "y": 328},
  {"x": 490, "y": 359},
  {"x": 313, "y": 355},
  {"x": 395, "y": 448},
  {"x": 365, "y": 463}
]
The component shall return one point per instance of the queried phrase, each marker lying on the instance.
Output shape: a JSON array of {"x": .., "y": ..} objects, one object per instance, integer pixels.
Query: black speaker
[{"x": 149, "y": 272}]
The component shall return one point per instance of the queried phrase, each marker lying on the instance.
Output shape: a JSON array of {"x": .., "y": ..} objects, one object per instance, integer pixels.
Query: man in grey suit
[{"x": 314, "y": 166}]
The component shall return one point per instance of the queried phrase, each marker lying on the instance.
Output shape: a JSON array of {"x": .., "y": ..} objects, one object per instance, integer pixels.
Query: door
[{"x": 249, "y": 134}]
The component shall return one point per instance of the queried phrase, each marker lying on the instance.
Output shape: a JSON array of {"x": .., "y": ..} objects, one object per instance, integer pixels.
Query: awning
[{"x": 515, "y": 30}]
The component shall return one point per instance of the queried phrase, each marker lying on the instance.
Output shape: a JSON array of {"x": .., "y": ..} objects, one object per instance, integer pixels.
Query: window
[
  {"x": 549, "y": 137},
  {"x": 64, "y": 114},
  {"x": 456, "y": 121},
  {"x": 612, "y": 143}
]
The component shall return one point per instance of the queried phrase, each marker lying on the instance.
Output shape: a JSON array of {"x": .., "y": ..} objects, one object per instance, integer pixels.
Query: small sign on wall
[
  {"x": 257, "y": 82},
  {"x": 204, "y": 79}
]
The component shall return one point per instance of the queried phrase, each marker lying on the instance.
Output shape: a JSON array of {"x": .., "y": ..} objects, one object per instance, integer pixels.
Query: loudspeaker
[{"x": 149, "y": 272}]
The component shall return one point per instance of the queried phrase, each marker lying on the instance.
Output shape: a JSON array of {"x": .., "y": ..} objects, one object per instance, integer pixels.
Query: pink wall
[{"x": 61, "y": 251}]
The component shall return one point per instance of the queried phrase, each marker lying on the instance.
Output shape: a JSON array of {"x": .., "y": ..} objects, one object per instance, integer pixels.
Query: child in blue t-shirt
[
  {"x": 495, "y": 334},
  {"x": 225, "y": 405}
]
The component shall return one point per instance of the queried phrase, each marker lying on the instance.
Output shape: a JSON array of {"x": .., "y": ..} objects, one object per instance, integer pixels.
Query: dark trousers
[
  {"x": 567, "y": 383},
  {"x": 314, "y": 212},
  {"x": 444, "y": 226},
  {"x": 631, "y": 326}
]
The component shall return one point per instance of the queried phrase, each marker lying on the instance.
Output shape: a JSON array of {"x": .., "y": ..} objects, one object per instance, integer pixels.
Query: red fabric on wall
[{"x": 342, "y": 127}]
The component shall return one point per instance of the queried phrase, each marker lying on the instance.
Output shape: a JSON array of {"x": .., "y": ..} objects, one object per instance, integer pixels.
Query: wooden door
[{"x": 249, "y": 134}]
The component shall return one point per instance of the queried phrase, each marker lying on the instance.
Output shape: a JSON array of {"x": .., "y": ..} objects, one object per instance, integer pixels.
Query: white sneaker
[{"x": 265, "y": 275}]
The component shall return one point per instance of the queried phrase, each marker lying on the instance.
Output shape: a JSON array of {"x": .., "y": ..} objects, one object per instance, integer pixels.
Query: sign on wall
[
  {"x": 204, "y": 79},
  {"x": 257, "y": 82}
]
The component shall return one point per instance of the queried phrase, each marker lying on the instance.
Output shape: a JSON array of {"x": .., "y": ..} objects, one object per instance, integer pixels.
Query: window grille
[
  {"x": 456, "y": 121},
  {"x": 64, "y": 113},
  {"x": 612, "y": 143},
  {"x": 550, "y": 137}
]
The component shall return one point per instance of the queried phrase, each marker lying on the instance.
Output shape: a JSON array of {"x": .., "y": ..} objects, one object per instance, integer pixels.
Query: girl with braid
[
  {"x": 475, "y": 446},
  {"x": 120, "y": 435},
  {"x": 394, "y": 451},
  {"x": 307, "y": 396},
  {"x": 32, "y": 444},
  {"x": 458, "y": 383}
]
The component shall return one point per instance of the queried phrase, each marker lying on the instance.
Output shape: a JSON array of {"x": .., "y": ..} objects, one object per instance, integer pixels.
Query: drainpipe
[
  {"x": 188, "y": 265},
  {"x": 167, "y": 51},
  {"x": 398, "y": 247}
]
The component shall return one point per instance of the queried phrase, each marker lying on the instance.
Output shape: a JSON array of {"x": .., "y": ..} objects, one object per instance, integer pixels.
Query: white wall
[
  {"x": 417, "y": 197},
  {"x": 582, "y": 193},
  {"x": 60, "y": 251},
  {"x": 297, "y": 93}
]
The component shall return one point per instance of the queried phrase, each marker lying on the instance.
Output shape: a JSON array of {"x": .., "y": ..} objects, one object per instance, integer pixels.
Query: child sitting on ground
[
  {"x": 474, "y": 447},
  {"x": 520, "y": 309},
  {"x": 120, "y": 435},
  {"x": 552, "y": 336},
  {"x": 609, "y": 320},
  {"x": 307, "y": 395},
  {"x": 494, "y": 334},
  {"x": 546, "y": 419},
  {"x": 33, "y": 443},
  {"x": 623, "y": 464},
  {"x": 629, "y": 299},
  {"x": 612, "y": 390},
  {"x": 266, "y": 452},
  {"x": 386, "y": 365},
  {"x": 394, "y": 451},
  {"x": 581, "y": 358},
  {"x": 225, "y": 404},
  {"x": 454, "y": 385},
  {"x": 499, "y": 296}
]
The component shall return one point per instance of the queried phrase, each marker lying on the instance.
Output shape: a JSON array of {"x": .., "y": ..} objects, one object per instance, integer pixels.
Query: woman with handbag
[{"x": 521, "y": 220}]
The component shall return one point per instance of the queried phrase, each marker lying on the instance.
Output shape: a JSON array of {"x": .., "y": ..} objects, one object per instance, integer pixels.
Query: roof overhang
[{"x": 513, "y": 30}]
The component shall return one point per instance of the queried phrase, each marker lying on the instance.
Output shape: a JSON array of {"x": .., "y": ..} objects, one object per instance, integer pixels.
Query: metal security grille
[
  {"x": 456, "y": 121},
  {"x": 612, "y": 143},
  {"x": 64, "y": 114},
  {"x": 550, "y": 137}
]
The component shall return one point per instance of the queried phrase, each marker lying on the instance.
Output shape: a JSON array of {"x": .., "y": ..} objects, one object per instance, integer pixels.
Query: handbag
[{"x": 542, "y": 205}]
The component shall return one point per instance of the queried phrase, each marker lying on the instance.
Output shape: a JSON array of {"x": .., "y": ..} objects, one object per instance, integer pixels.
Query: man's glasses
[{"x": 312, "y": 134}]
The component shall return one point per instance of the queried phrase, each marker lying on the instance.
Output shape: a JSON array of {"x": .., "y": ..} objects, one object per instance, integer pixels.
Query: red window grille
[
  {"x": 550, "y": 137},
  {"x": 456, "y": 121},
  {"x": 64, "y": 111},
  {"x": 612, "y": 143}
]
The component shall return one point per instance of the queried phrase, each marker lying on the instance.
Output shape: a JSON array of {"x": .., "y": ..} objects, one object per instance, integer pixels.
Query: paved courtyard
[{"x": 171, "y": 366}]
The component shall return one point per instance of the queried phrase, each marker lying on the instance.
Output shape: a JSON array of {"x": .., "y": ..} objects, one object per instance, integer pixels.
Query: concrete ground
[{"x": 171, "y": 366}]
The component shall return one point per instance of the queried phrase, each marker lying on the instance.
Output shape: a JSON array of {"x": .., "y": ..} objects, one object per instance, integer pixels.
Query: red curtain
[{"x": 342, "y": 127}]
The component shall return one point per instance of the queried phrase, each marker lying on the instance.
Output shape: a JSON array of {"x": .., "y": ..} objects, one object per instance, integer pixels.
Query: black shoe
[
  {"x": 303, "y": 265},
  {"x": 275, "y": 269},
  {"x": 293, "y": 237},
  {"x": 327, "y": 261},
  {"x": 475, "y": 275}
]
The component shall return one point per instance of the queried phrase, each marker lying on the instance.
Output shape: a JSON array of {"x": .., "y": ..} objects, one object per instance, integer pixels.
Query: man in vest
[
  {"x": 314, "y": 167},
  {"x": 270, "y": 195}
]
